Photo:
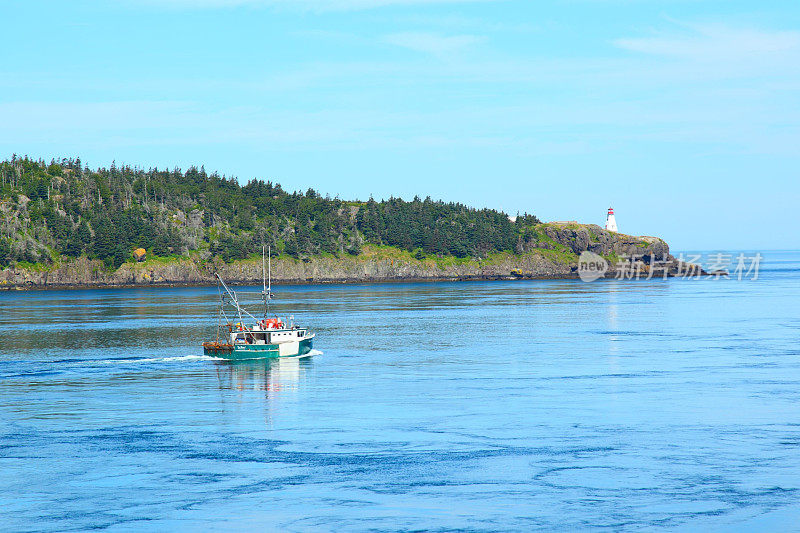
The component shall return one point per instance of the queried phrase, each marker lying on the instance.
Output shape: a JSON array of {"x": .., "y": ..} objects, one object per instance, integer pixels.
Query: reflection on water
[
  {"x": 271, "y": 375},
  {"x": 267, "y": 386}
]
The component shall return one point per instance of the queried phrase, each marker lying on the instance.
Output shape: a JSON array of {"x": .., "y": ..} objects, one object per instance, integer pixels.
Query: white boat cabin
[{"x": 270, "y": 331}]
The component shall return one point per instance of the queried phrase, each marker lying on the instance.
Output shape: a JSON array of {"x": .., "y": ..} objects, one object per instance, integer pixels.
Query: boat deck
[{"x": 217, "y": 347}]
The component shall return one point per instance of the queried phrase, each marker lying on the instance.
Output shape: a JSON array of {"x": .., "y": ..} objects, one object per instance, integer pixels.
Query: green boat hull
[{"x": 259, "y": 351}]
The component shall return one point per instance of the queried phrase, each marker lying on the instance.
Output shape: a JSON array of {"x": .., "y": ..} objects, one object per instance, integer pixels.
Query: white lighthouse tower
[{"x": 611, "y": 222}]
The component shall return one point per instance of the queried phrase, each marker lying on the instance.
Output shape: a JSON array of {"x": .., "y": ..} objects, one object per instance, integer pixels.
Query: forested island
[{"x": 66, "y": 224}]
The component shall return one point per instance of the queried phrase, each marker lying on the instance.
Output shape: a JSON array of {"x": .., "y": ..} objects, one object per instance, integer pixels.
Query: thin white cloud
[
  {"x": 302, "y": 5},
  {"x": 460, "y": 23},
  {"x": 715, "y": 42},
  {"x": 719, "y": 89},
  {"x": 568, "y": 126},
  {"x": 433, "y": 43}
]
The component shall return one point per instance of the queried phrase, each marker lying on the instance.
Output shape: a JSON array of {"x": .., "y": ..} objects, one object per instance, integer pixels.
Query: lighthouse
[{"x": 611, "y": 222}]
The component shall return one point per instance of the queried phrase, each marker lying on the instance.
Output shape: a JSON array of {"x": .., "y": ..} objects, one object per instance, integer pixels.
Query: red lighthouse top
[{"x": 610, "y": 210}]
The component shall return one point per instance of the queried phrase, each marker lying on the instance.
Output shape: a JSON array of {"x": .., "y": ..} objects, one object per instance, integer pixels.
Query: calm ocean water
[{"x": 523, "y": 405}]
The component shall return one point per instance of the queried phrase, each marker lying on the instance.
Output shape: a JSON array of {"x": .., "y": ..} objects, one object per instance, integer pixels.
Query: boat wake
[
  {"x": 132, "y": 360},
  {"x": 312, "y": 353},
  {"x": 181, "y": 359}
]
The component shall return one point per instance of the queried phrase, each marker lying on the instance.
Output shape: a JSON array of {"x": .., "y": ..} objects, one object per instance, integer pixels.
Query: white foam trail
[
  {"x": 181, "y": 358},
  {"x": 309, "y": 354},
  {"x": 156, "y": 360},
  {"x": 293, "y": 357}
]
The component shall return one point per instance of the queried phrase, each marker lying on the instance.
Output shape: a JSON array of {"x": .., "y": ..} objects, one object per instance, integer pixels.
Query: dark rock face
[
  {"x": 551, "y": 253},
  {"x": 591, "y": 237}
]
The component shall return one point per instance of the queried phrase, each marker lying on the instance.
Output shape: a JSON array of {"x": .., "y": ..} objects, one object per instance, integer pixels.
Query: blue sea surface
[{"x": 480, "y": 406}]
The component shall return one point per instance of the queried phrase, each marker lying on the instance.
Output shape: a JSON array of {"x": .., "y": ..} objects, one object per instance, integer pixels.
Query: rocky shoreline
[
  {"x": 554, "y": 255},
  {"x": 240, "y": 283}
]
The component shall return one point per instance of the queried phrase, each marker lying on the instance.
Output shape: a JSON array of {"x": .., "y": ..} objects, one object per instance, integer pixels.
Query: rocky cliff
[{"x": 552, "y": 251}]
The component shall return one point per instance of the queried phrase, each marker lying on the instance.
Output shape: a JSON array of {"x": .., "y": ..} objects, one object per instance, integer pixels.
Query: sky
[{"x": 683, "y": 115}]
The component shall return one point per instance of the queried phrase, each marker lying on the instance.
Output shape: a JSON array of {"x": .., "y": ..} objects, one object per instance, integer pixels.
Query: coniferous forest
[{"x": 62, "y": 208}]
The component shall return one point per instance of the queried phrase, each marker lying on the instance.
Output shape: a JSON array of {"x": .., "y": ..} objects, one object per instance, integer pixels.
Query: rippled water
[{"x": 480, "y": 406}]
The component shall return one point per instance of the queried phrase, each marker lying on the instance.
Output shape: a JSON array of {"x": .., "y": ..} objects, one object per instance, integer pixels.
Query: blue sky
[{"x": 684, "y": 115}]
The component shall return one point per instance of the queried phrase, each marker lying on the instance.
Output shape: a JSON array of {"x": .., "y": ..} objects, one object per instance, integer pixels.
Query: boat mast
[
  {"x": 264, "y": 279},
  {"x": 267, "y": 277}
]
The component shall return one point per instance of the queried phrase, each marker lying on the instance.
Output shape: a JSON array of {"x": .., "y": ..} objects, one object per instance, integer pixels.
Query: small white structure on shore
[{"x": 611, "y": 222}]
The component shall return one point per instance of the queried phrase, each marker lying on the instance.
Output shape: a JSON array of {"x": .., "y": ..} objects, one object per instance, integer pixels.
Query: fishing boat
[{"x": 248, "y": 337}]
